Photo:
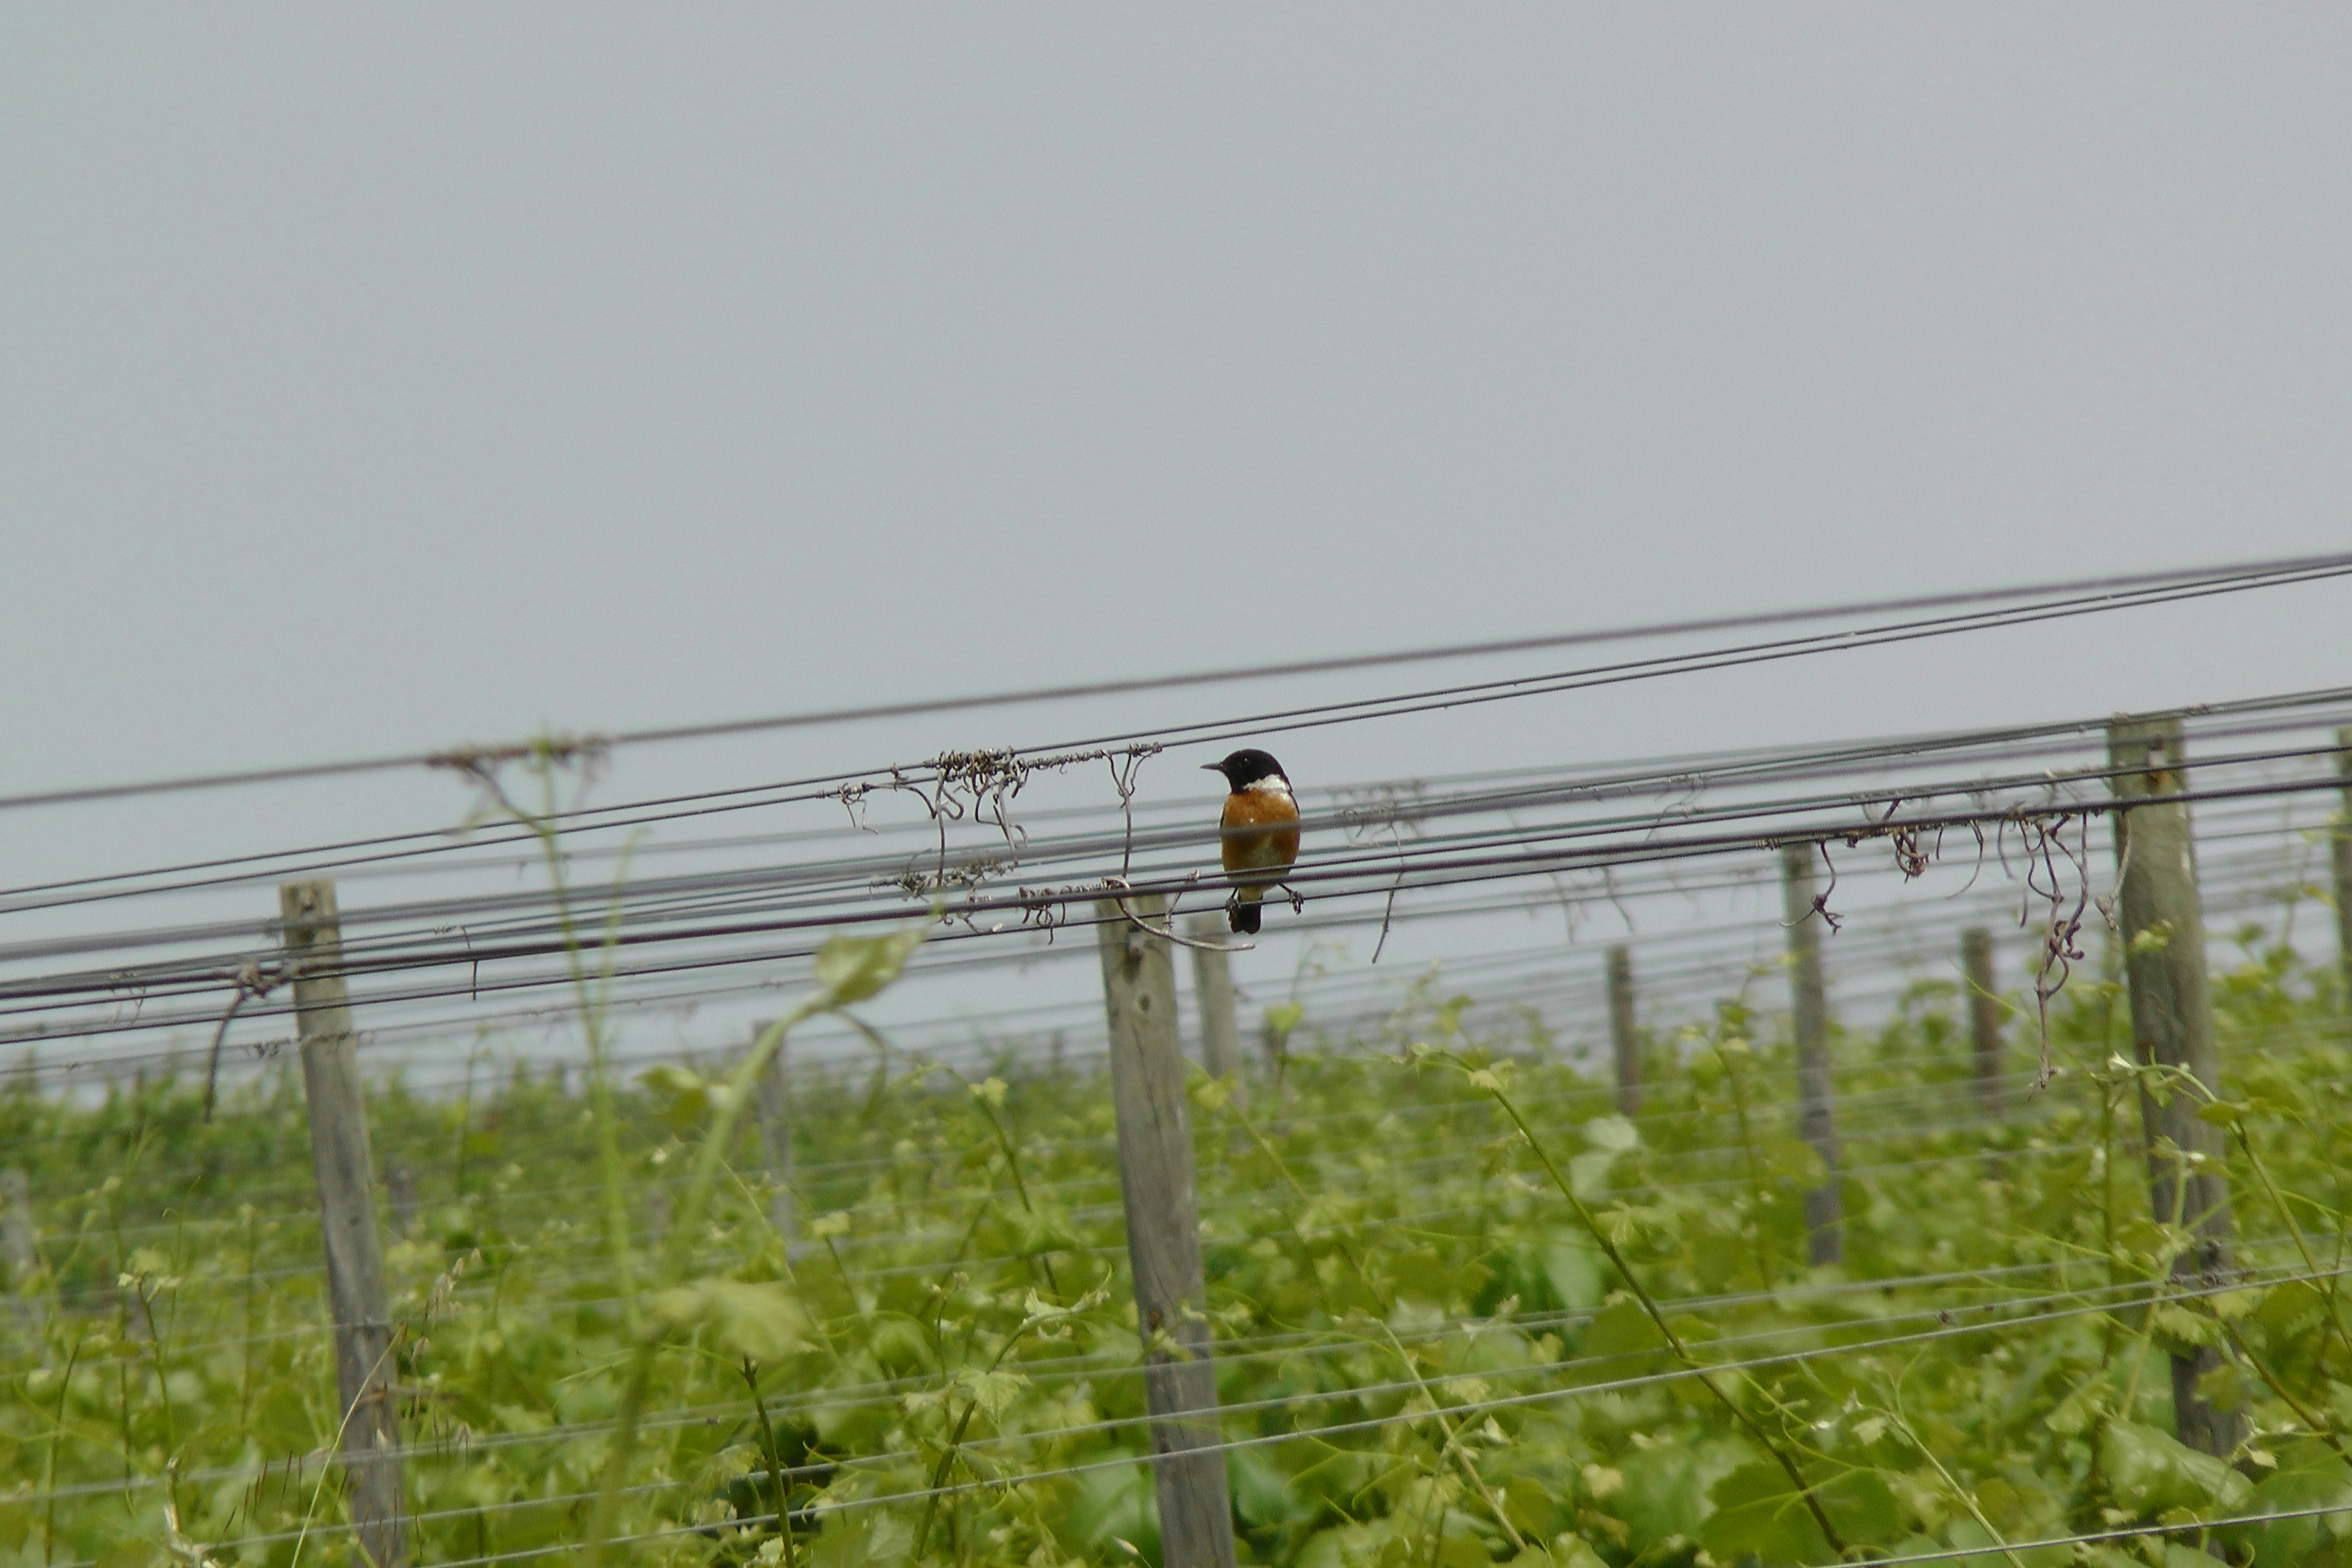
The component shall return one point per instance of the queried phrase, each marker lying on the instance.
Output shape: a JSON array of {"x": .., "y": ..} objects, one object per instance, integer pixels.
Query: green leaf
[
  {"x": 2071, "y": 1416},
  {"x": 1348, "y": 1546},
  {"x": 1757, "y": 1513},
  {"x": 853, "y": 968},
  {"x": 2289, "y": 1310},
  {"x": 1665, "y": 1488},
  {"x": 686, "y": 1095},
  {"x": 1793, "y": 1160},
  {"x": 1046, "y": 1229},
  {"x": 1967, "y": 1532},
  {"x": 131, "y": 1555},
  {"x": 868, "y": 1537},
  {"x": 1860, "y": 1506},
  {"x": 1759, "y": 1509},
  {"x": 1621, "y": 1327},
  {"x": 2150, "y": 1472},
  {"x": 1613, "y": 1133},
  {"x": 2229, "y": 1306},
  {"x": 993, "y": 1392},
  {"x": 1115, "y": 1504},
  {"x": 1530, "y": 1505},
  {"x": 1574, "y": 1267},
  {"x": 1588, "y": 1174},
  {"x": 2180, "y": 1330},
  {"x": 2287, "y": 1541},
  {"x": 673, "y": 1079},
  {"x": 1261, "y": 1492},
  {"x": 1459, "y": 1545},
  {"x": 764, "y": 1321}
]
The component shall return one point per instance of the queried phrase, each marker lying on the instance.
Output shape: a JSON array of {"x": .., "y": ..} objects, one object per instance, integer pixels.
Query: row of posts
[
  {"x": 2160, "y": 925},
  {"x": 2171, "y": 1027}
]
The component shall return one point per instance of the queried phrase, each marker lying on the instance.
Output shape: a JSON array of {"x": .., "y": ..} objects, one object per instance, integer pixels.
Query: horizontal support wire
[
  {"x": 2036, "y": 1310},
  {"x": 2156, "y": 1294},
  {"x": 1580, "y": 786},
  {"x": 1372, "y": 873},
  {"x": 2130, "y": 588},
  {"x": 2227, "y": 883},
  {"x": 1216, "y": 1197},
  {"x": 1848, "y": 1104}
]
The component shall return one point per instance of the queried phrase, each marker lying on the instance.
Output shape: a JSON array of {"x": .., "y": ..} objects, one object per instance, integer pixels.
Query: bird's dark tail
[{"x": 1243, "y": 916}]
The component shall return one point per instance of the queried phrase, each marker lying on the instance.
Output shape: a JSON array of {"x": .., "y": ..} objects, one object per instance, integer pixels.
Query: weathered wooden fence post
[
  {"x": 2172, "y": 1025},
  {"x": 1212, "y": 991},
  {"x": 1623, "y": 1044},
  {"x": 1824, "y": 1205},
  {"x": 2340, "y": 857},
  {"x": 1164, "y": 1239},
  {"x": 776, "y": 1132},
  {"x": 339, "y": 1154},
  {"x": 1984, "y": 1014}
]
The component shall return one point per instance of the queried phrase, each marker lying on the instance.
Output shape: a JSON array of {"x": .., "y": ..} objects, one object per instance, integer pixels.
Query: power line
[{"x": 2084, "y": 593}]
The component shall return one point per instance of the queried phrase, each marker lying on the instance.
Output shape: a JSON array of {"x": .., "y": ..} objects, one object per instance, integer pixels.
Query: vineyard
[{"x": 1900, "y": 1150}]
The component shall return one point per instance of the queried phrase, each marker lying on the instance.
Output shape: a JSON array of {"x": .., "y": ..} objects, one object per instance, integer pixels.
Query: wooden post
[
  {"x": 1213, "y": 991},
  {"x": 776, "y": 1133},
  {"x": 339, "y": 1154},
  {"x": 1824, "y": 1205},
  {"x": 2172, "y": 1025},
  {"x": 1164, "y": 1239},
  {"x": 2341, "y": 846},
  {"x": 1623, "y": 1044},
  {"x": 18, "y": 1252},
  {"x": 1984, "y": 1014}
]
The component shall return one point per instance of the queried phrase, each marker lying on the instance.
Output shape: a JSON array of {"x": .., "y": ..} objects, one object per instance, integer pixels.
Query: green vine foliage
[{"x": 1426, "y": 1352}]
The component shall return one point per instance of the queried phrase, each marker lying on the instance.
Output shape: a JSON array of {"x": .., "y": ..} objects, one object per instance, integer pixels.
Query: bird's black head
[{"x": 1246, "y": 766}]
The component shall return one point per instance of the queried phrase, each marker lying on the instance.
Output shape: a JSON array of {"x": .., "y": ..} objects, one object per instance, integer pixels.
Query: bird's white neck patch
[{"x": 1273, "y": 784}]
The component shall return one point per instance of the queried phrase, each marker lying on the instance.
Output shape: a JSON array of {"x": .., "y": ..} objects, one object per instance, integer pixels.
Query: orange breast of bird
[{"x": 1271, "y": 840}]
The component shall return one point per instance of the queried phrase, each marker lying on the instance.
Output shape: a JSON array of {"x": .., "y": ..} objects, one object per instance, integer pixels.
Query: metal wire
[
  {"x": 1468, "y": 1408},
  {"x": 2133, "y": 589}
]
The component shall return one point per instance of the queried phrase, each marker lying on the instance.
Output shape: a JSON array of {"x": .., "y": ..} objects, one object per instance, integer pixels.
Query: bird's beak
[{"x": 1212, "y": 767}]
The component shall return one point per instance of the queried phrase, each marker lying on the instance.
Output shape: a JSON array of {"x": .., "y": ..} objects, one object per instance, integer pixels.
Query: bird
[{"x": 1259, "y": 831}]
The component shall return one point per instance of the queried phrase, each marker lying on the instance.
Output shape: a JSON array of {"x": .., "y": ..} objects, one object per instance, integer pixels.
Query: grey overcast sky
[{"x": 378, "y": 378}]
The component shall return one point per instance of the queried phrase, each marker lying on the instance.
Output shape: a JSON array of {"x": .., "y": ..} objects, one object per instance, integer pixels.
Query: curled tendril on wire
[
  {"x": 980, "y": 786},
  {"x": 253, "y": 983}
]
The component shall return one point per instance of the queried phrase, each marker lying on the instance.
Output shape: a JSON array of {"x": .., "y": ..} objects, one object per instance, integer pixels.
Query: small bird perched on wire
[{"x": 1261, "y": 831}]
